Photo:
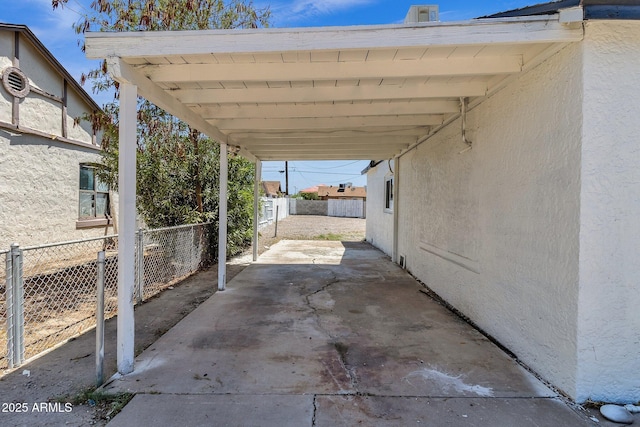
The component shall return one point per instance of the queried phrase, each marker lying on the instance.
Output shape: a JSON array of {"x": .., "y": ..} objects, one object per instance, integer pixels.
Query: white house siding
[
  {"x": 494, "y": 230},
  {"x": 379, "y": 223},
  {"x": 609, "y": 310}
]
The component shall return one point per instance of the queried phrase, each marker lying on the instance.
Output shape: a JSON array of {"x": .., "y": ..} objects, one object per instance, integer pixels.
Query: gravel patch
[{"x": 312, "y": 227}]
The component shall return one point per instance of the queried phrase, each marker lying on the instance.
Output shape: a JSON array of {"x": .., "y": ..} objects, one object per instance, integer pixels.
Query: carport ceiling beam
[
  {"x": 273, "y": 111},
  {"x": 328, "y": 148},
  {"x": 360, "y": 155},
  {"x": 337, "y": 134},
  {"x": 328, "y": 142},
  {"x": 123, "y": 72},
  {"x": 260, "y": 72},
  {"x": 508, "y": 31},
  {"x": 326, "y": 123},
  {"x": 319, "y": 94}
]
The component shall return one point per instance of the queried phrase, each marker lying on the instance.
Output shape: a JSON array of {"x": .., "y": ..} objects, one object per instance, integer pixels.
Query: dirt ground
[{"x": 57, "y": 387}]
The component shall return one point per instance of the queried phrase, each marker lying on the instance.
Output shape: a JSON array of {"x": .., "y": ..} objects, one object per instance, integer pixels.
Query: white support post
[
  {"x": 222, "y": 219},
  {"x": 396, "y": 207},
  {"x": 256, "y": 207},
  {"x": 127, "y": 234}
]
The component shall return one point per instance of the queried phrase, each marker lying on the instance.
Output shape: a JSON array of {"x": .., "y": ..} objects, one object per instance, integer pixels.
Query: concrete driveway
[{"x": 323, "y": 333}]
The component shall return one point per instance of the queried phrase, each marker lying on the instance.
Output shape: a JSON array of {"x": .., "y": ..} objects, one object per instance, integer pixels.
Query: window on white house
[
  {"x": 388, "y": 194},
  {"x": 94, "y": 194}
]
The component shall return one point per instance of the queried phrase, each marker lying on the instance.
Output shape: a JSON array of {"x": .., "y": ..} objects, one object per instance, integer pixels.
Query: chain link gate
[{"x": 49, "y": 291}]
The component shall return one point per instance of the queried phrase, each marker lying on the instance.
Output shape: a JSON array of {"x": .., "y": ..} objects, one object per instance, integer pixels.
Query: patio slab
[{"x": 335, "y": 330}]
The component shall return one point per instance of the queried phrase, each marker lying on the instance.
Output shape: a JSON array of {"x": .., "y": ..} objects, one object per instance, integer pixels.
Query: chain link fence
[
  {"x": 49, "y": 292},
  {"x": 3, "y": 307}
]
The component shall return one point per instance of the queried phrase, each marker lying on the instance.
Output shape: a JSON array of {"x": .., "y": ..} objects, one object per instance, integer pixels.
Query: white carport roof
[
  {"x": 366, "y": 92},
  {"x": 309, "y": 94}
]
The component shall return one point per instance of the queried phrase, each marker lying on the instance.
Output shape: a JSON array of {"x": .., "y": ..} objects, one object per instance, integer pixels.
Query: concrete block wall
[{"x": 308, "y": 207}]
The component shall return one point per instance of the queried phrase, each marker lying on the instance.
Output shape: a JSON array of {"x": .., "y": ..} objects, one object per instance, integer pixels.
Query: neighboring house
[
  {"x": 342, "y": 192},
  {"x": 534, "y": 231},
  {"x": 272, "y": 189},
  {"x": 49, "y": 191},
  {"x": 313, "y": 189}
]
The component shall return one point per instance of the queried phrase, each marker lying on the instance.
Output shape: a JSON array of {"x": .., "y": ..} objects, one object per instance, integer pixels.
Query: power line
[
  {"x": 340, "y": 166},
  {"x": 328, "y": 173}
]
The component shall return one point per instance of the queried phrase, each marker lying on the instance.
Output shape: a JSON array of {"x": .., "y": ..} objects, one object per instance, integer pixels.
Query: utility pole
[{"x": 286, "y": 178}]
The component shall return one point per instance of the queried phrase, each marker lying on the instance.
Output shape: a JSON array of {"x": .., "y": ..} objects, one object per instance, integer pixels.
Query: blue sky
[{"x": 53, "y": 28}]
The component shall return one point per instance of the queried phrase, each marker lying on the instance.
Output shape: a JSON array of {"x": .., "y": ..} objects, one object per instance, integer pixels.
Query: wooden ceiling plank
[
  {"x": 436, "y": 90},
  {"x": 271, "y": 111},
  {"x": 327, "y": 123},
  {"x": 334, "y": 70}
]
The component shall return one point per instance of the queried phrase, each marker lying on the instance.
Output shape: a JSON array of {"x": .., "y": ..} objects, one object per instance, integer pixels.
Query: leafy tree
[
  {"x": 310, "y": 196},
  {"x": 178, "y": 167}
]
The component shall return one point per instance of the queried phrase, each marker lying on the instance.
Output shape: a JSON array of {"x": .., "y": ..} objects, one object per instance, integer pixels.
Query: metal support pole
[
  {"x": 256, "y": 206},
  {"x": 277, "y": 213},
  {"x": 16, "y": 310},
  {"x": 100, "y": 320},
  {"x": 139, "y": 265},
  {"x": 222, "y": 219},
  {"x": 9, "y": 306},
  {"x": 286, "y": 178}
]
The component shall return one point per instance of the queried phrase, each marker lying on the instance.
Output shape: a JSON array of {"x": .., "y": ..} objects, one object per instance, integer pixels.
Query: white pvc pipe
[
  {"x": 127, "y": 235},
  {"x": 222, "y": 219}
]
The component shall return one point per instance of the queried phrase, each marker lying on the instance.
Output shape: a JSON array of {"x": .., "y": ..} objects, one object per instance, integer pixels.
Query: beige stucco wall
[
  {"x": 609, "y": 313},
  {"x": 6, "y": 53},
  {"x": 379, "y": 222},
  {"x": 39, "y": 176},
  {"x": 39, "y": 181},
  {"x": 494, "y": 230}
]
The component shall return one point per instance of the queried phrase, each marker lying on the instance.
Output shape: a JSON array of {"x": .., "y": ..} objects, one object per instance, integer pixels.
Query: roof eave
[{"x": 23, "y": 29}]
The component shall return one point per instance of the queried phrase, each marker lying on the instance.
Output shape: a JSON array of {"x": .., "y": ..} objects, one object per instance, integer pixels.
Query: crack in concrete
[
  {"x": 340, "y": 348},
  {"x": 315, "y": 411},
  {"x": 350, "y": 371},
  {"x": 324, "y": 287}
]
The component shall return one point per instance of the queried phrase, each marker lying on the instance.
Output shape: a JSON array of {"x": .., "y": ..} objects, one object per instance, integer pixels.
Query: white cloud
[
  {"x": 54, "y": 29},
  {"x": 54, "y": 26},
  {"x": 299, "y": 10}
]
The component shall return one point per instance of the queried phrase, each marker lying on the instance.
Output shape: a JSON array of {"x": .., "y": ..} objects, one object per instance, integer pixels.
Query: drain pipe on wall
[
  {"x": 464, "y": 104},
  {"x": 464, "y": 109}
]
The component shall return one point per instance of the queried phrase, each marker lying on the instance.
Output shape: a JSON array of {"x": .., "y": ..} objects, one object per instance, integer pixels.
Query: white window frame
[
  {"x": 388, "y": 194},
  {"x": 93, "y": 220}
]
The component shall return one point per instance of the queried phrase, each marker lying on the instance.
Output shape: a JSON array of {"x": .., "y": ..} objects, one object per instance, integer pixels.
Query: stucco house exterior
[
  {"x": 505, "y": 173},
  {"x": 48, "y": 188},
  {"x": 272, "y": 189},
  {"x": 525, "y": 218}
]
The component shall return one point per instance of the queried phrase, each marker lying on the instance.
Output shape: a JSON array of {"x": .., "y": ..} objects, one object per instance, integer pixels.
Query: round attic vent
[{"x": 15, "y": 82}]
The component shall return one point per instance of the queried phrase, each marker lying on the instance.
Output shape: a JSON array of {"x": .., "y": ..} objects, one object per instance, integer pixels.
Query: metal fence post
[
  {"x": 15, "y": 307},
  {"x": 140, "y": 265},
  {"x": 9, "y": 307},
  {"x": 100, "y": 320},
  {"x": 191, "y": 244}
]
